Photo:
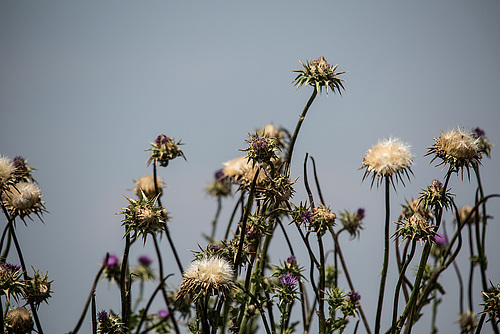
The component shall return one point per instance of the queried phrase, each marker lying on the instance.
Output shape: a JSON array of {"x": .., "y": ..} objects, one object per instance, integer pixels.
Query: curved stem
[
  {"x": 288, "y": 158},
  {"x": 385, "y": 265}
]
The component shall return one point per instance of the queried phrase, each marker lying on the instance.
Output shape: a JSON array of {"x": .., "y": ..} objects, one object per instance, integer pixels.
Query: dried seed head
[
  {"x": 320, "y": 74},
  {"x": 38, "y": 288},
  {"x": 164, "y": 149},
  {"x": 434, "y": 196},
  {"x": 23, "y": 199},
  {"x": 466, "y": 217},
  {"x": 18, "y": 321},
  {"x": 492, "y": 304},
  {"x": 456, "y": 148},
  {"x": 416, "y": 228},
  {"x": 7, "y": 170},
  {"x": 323, "y": 218},
  {"x": 146, "y": 184},
  {"x": 211, "y": 276},
  {"x": 389, "y": 158},
  {"x": 467, "y": 322}
]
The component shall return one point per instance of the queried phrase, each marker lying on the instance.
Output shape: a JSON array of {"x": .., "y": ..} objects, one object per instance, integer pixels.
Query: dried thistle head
[
  {"x": 38, "y": 288},
  {"x": 280, "y": 135},
  {"x": 435, "y": 196},
  {"x": 276, "y": 191},
  {"x": 492, "y": 303},
  {"x": 146, "y": 184},
  {"x": 19, "y": 320},
  {"x": 7, "y": 170},
  {"x": 23, "y": 170},
  {"x": 466, "y": 216},
  {"x": 22, "y": 199},
  {"x": 467, "y": 322},
  {"x": 390, "y": 158},
  {"x": 415, "y": 206},
  {"x": 261, "y": 149},
  {"x": 211, "y": 276},
  {"x": 322, "y": 219},
  {"x": 456, "y": 148},
  {"x": 164, "y": 149},
  {"x": 109, "y": 323},
  {"x": 11, "y": 284},
  {"x": 320, "y": 74},
  {"x": 416, "y": 227},
  {"x": 143, "y": 217}
]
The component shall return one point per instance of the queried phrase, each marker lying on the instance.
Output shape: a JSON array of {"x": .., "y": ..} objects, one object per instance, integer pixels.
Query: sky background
[{"x": 86, "y": 86}]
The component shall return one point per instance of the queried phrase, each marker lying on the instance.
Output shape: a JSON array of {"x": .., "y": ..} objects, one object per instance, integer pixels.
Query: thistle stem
[
  {"x": 386, "y": 258},
  {"x": 296, "y": 132}
]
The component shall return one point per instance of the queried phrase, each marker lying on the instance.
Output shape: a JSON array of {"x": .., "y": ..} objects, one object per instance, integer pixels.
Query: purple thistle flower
[
  {"x": 440, "y": 240},
  {"x": 478, "y": 133},
  {"x": 145, "y": 260},
  {"x": 361, "y": 213},
  {"x": 354, "y": 296},
  {"x": 12, "y": 267},
  {"x": 162, "y": 139},
  {"x": 219, "y": 175},
  {"x": 214, "y": 247},
  {"x": 306, "y": 217},
  {"x": 112, "y": 261},
  {"x": 289, "y": 280},
  {"x": 102, "y": 316},
  {"x": 292, "y": 260},
  {"x": 19, "y": 163},
  {"x": 163, "y": 313},
  {"x": 260, "y": 143}
]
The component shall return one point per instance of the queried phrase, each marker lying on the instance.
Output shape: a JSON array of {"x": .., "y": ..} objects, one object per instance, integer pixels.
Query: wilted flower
[
  {"x": 23, "y": 198},
  {"x": 38, "y": 288},
  {"x": 467, "y": 322},
  {"x": 23, "y": 170},
  {"x": 320, "y": 74},
  {"x": 323, "y": 219},
  {"x": 492, "y": 303},
  {"x": 146, "y": 184},
  {"x": 220, "y": 186},
  {"x": 456, "y": 148},
  {"x": 7, "y": 170},
  {"x": 19, "y": 321},
  {"x": 352, "y": 221},
  {"x": 164, "y": 149},
  {"x": 416, "y": 227},
  {"x": 389, "y": 158},
  {"x": 10, "y": 281},
  {"x": 206, "y": 277},
  {"x": 465, "y": 216},
  {"x": 483, "y": 142},
  {"x": 143, "y": 217}
]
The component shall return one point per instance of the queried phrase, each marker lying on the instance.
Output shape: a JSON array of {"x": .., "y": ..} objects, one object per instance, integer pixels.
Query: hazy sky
[{"x": 86, "y": 86}]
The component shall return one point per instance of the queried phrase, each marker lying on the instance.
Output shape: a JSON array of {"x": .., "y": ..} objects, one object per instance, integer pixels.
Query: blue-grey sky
[{"x": 86, "y": 86}]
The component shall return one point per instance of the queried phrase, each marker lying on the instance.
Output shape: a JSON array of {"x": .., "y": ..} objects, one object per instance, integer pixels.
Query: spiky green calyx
[{"x": 320, "y": 74}]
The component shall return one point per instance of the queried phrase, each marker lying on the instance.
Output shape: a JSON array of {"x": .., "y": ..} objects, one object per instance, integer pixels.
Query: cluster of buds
[
  {"x": 143, "y": 217},
  {"x": 320, "y": 74},
  {"x": 352, "y": 221},
  {"x": 416, "y": 227},
  {"x": 456, "y": 148},
  {"x": 492, "y": 304},
  {"x": 220, "y": 186},
  {"x": 345, "y": 302},
  {"x": 164, "y": 149},
  {"x": 19, "y": 320},
  {"x": 261, "y": 149},
  {"x": 109, "y": 324},
  {"x": 435, "y": 197},
  {"x": 211, "y": 276},
  {"x": 38, "y": 288}
]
